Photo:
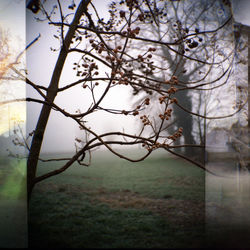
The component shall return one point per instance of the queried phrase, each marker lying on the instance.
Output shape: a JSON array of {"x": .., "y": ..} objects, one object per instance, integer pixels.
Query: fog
[
  {"x": 227, "y": 199},
  {"x": 241, "y": 11},
  {"x": 228, "y": 194},
  {"x": 61, "y": 131}
]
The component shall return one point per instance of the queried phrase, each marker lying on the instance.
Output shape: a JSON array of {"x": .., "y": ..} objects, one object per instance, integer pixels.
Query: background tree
[
  {"x": 5, "y": 54},
  {"x": 11, "y": 114},
  {"x": 104, "y": 59},
  {"x": 192, "y": 47}
]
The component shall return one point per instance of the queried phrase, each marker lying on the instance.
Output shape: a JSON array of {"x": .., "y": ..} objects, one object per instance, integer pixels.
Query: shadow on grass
[
  {"x": 83, "y": 221},
  {"x": 157, "y": 203}
]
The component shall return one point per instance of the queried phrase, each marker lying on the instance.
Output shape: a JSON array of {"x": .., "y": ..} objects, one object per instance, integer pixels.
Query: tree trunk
[
  {"x": 185, "y": 120},
  {"x": 51, "y": 94}
]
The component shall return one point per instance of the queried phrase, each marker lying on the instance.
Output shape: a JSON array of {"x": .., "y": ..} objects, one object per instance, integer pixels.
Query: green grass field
[
  {"x": 114, "y": 203},
  {"x": 13, "y": 203},
  {"x": 12, "y": 179}
]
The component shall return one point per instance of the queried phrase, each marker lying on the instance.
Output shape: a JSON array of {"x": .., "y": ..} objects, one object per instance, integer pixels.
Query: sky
[
  {"x": 40, "y": 67},
  {"x": 61, "y": 129},
  {"x": 40, "y": 71},
  {"x": 12, "y": 20},
  {"x": 241, "y": 9}
]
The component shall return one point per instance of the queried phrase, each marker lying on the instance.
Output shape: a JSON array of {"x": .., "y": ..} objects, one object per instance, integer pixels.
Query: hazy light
[
  {"x": 11, "y": 115},
  {"x": 41, "y": 62},
  {"x": 241, "y": 10},
  {"x": 12, "y": 25}
]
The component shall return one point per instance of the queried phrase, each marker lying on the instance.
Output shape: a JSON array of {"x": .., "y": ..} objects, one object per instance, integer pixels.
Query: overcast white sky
[
  {"x": 40, "y": 66},
  {"x": 12, "y": 21},
  {"x": 12, "y": 16},
  {"x": 40, "y": 63},
  {"x": 241, "y": 10}
]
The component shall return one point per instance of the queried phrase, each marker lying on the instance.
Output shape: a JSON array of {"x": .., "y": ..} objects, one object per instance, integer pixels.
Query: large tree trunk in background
[
  {"x": 51, "y": 94},
  {"x": 185, "y": 120}
]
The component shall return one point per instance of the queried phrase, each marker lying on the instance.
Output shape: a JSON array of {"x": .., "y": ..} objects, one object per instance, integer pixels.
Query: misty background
[{"x": 61, "y": 132}]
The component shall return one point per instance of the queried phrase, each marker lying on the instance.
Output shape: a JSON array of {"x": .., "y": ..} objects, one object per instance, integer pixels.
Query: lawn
[
  {"x": 13, "y": 209},
  {"x": 114, "y": 203}
]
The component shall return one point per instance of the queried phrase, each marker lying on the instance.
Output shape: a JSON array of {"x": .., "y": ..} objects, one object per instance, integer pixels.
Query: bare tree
[
  {"x": 11, "y": 55},
  {"x": 105, "y": 59},
  {"x": 193, "y": 47},
  {"x": 5, "y": 53}
]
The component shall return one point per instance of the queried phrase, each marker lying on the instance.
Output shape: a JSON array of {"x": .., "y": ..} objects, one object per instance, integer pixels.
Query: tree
[
  {"x": 196, "y": 28},
  {"x": 104, "y": 60},
  {"x": 4, "y": 48},
  {"x": 11, "y": 114}
]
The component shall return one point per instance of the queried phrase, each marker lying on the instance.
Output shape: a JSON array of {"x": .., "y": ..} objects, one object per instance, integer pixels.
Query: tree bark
[{"x": 51, "y": 94}]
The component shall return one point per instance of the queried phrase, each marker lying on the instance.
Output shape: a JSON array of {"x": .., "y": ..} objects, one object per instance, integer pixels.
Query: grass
[
  {"x": 12, "y": 179},
  {"x": 13, "y": 209},
  {"x": 227, "y": 210},
  {"x": 155, "y": 203},
  {"x": 154, "y": 177}
]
